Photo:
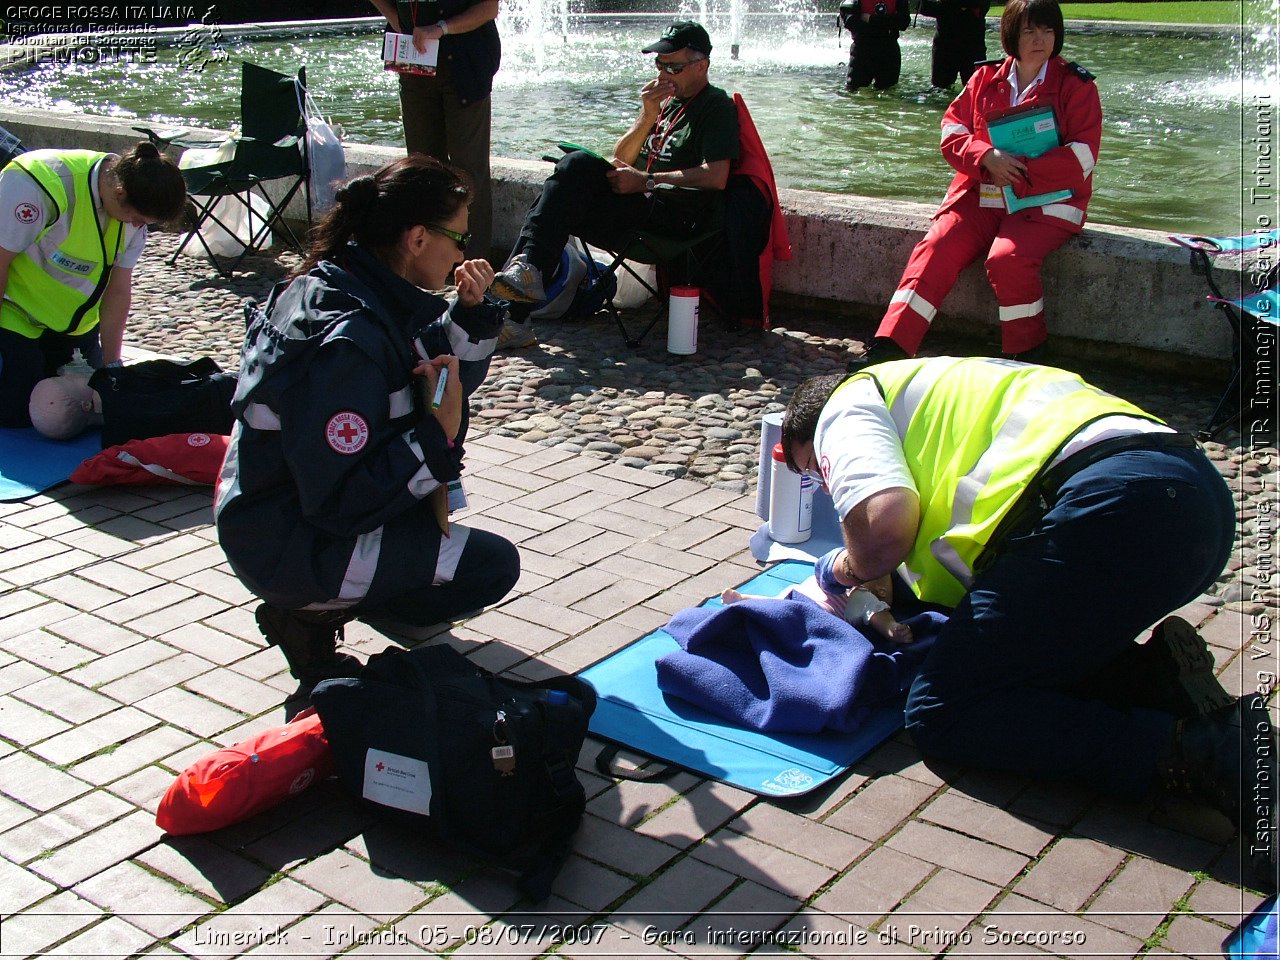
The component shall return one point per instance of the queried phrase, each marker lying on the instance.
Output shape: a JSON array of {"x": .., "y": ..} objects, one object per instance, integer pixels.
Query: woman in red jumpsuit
[{"x": 972, "y": 219}]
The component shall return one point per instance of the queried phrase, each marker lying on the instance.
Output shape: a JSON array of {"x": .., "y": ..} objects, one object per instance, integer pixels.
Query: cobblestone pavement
[{"x": 128, "y": 650}]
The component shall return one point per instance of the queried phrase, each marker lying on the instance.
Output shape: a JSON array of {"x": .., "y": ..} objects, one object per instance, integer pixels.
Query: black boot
[
  {"x": 1037, "y": 354},
  {"x": 879, "y": 350},
  {"x": 1173, "y": 672},
  {"x": 309, "y": 641},
  {"x": 1228, "y": 760}
]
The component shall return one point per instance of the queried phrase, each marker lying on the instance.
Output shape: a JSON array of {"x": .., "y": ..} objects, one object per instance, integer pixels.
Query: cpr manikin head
[{"x": 61, "y": 407}]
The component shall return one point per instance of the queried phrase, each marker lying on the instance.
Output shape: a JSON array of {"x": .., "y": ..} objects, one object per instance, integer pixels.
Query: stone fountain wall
[{"x": 1111, "y": 293}]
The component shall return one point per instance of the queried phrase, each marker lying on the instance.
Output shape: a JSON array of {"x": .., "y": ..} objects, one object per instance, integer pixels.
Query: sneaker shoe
[
  {"x": 515, "y": 336},
  {"x": 520, "y": 282}
]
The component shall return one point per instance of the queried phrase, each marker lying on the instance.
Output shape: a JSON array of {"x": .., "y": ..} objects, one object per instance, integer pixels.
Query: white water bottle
[
  {"x": 682, "y": 320},
  {"x": 790, "y": 502}
]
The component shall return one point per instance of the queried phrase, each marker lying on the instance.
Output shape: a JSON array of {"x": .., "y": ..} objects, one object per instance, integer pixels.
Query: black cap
[{"x": 681, "y": 34}]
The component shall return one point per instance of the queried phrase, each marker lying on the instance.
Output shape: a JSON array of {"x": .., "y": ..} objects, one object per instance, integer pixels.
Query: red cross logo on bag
[
  {"x": 347, "y": 433},
  {"x": 198, "y": 440},
  {"x": 26, "y": 213}
]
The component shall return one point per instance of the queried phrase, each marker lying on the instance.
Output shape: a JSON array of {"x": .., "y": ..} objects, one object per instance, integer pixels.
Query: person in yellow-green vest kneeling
[
  {"x": 1056, "y": 524},
  {"x": 72, "y": 226}
]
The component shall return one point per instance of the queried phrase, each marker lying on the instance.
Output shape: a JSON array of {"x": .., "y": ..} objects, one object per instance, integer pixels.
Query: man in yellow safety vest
[{"x": 1057, "y": 523}]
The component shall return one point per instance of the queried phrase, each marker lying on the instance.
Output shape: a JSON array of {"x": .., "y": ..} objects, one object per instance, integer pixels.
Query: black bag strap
[{"x": 609, "y": 752}]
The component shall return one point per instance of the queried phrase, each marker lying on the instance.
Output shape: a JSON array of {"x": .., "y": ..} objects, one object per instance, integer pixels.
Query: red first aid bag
[
  {"x": 186, "y": 458},
  {"x": 236, "y": 782}
]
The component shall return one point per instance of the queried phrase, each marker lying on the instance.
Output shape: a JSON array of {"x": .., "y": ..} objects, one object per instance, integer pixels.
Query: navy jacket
[{"x": 322, "y": 498}]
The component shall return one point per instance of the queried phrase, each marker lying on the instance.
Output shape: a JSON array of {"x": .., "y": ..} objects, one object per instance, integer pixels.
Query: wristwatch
[
  {"x": 650, "y": 185},
  {"x": 444, "y": 28}
]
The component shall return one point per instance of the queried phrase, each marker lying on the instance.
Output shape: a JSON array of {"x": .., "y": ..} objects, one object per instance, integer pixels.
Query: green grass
[{"x": 1159, "y": 11}]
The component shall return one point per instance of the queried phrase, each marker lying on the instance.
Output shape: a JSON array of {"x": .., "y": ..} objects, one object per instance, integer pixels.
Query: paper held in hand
[{"x": 398, "y": 54}]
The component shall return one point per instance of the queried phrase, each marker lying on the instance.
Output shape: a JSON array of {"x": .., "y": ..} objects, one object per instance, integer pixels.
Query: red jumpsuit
[{"x": 1015, "y": 244}]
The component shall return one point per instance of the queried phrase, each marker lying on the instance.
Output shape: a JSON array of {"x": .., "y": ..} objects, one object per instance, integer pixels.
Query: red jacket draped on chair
[{"x": 753, "y": 162}]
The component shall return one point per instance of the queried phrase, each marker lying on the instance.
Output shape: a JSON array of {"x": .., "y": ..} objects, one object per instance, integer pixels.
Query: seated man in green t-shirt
[{"x": 666, "y": 173}]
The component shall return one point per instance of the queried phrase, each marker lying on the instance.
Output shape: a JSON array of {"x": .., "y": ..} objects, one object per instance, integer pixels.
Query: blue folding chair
[{"x": 1254, "y": 320}]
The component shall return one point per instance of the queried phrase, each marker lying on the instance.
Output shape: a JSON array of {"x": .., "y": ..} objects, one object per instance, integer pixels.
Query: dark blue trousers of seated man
[{"x": 667, "y": 173}]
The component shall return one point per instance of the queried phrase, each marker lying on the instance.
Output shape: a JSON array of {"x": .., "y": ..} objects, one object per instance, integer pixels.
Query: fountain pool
[{"x": 1170, "y": 153}]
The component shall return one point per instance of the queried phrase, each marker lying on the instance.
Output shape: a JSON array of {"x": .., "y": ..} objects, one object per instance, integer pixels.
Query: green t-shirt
[{"x": 692, "y": 132}]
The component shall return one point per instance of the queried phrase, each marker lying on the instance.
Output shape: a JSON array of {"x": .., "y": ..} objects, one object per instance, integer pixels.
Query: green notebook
[
  {"x": 1027, "y": 131},
  {"x": 570, "y": 147}
]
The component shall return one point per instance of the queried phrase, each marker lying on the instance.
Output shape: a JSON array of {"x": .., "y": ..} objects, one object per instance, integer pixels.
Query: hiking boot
[
  {"x": 520, "y": 282},
  {"x": 1228, "y": 760},
  {"x": 516, "y": 336},
  {"x": 879, "y": 350},
  {"x": 309, "y": 641}
]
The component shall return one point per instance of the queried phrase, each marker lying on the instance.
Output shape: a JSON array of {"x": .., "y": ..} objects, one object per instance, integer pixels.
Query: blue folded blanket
[{"x": 787, "y": 665}]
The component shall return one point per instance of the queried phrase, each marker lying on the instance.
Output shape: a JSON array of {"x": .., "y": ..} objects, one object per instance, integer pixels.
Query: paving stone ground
[{"x": 128, "y": 650}]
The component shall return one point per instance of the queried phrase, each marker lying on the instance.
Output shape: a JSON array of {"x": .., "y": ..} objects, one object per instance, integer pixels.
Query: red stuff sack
[
  {"x": 182, "y": 458},
  {"x": 234, "y": 783}
]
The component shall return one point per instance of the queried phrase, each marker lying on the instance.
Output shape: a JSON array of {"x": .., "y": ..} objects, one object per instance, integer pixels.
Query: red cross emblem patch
[
  {"x": 347, "y": 432},
  {"x": 198, "y": 440},
  {"x": 26, "y": 213}
]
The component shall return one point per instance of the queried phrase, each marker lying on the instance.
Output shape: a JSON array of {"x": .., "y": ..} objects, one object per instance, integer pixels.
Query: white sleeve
[
  {"x": 135, "y": 238},
  {"x": 24, "y": 210},
  {"x": 858, "y": 448}
]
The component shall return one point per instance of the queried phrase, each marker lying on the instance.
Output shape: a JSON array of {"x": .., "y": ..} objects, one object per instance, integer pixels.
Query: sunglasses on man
[{"x": 674, "y": 67}]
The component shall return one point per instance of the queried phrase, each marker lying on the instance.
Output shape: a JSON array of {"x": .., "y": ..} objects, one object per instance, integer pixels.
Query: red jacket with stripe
[{"x": 1076, "y": 108}]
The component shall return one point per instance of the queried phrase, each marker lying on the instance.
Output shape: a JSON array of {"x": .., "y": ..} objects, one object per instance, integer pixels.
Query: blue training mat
[
  {"x": 632, "y": 711},
  {"x": 31, "y": 463}
]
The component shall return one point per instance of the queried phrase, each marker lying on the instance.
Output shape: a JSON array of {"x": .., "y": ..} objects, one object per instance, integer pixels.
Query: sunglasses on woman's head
[{"x": 461, "y": 239}]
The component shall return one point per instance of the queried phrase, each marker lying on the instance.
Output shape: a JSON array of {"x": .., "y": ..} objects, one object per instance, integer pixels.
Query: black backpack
[
  {"x": 489, "y": 762},
  {"x": 154, "y": 398}
]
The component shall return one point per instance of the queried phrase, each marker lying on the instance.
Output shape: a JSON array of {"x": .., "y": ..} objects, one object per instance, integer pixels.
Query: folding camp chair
[
  {"x": 1254, "y": 326},
  {"x": 677, "y": 258},
  {"x": 271, "y": 147},
  {"x": 732, "y": 260},
  {"x": 10, "y": 146}
]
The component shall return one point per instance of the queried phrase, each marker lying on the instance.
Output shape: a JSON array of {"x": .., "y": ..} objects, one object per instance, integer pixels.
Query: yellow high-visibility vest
[
  {"x": 976, "y": 432},
  {"x": 58, "y": 282}
]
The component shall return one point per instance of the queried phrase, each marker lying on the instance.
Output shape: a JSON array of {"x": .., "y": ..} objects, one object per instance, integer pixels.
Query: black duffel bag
[
  {"x": 483, "y": 762},
  {"x": 154, "y": 398}
]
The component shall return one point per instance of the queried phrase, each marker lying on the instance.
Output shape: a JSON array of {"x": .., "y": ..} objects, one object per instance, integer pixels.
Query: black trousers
[
  {"x": 487, "y": 570},
  {"x": 874, "y": 58},
  {"x": 958, "y": 46},
  {"x": 577, "y": 201}
]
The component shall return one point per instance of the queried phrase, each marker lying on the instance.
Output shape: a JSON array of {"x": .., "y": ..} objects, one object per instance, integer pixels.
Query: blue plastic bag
[{"x": 1256, "y": 936}]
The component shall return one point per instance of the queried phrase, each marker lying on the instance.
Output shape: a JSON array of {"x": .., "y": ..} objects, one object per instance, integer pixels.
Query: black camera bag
[{"x": 486, "y": 763}]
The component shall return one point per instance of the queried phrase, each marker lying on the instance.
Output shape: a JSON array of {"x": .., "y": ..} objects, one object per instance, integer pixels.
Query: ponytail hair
[
  {"x": 152, "y": 183},
  {"x": 376, "y": 210}
]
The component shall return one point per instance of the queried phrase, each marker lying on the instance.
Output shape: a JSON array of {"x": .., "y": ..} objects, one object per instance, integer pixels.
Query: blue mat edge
[{"x": 23, "y": 480}]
